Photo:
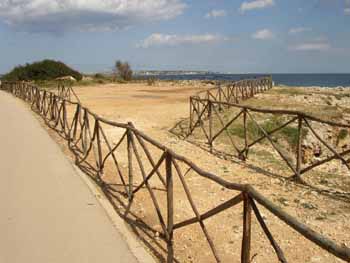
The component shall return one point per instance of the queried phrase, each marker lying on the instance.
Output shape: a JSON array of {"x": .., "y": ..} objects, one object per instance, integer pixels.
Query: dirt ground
[{"x": 155, "y": 110}]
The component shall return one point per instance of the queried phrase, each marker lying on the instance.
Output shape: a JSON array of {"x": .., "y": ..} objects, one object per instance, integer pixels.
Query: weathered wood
[
  {"x": 170, "y": 207},
  {"x": 191, "y": 115},
  {"x": 153, "y": 197},
  {"x": 130, "y": 163},
  {"x": 247, "y": 223},
  {"x": 195, "y": 210},
  {"x": 325, "y": 160},
  {"x": 228, "y": 134},
  {"x": 323, "y": 242},
  {"x": 153, "y": 171},
  {"x": 111, "y": 152},
  {"x": 326, "y": 144},
  {"x": 272, "y": 143},
  {"x": 267, "y": 232},
  {"x": 245, "y": 130},
  {"x": 59, "y": 113},
  {"x": 272, "y": 132},
  {"x": 210, "y": 141},
  {"x": 227, "y": 125},
  {"x": 218, "y": 209},
  {"x": 299, "y": 153}
]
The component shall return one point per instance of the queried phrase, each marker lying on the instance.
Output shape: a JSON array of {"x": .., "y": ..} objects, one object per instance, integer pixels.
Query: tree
[
  {"x": 123, "y": 70},
  {"x": 42, "y": 70}
]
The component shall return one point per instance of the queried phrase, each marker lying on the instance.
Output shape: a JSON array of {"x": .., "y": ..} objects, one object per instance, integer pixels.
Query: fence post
[
  {"x": 247, "y": 220},
  {"x": 299, "y": 153},
  {"x": 64, "y": 113},
  {"x": 220, "y": 96},
  {"x": 99, "y": 149},
  {"x": 245, "y": 133},
  {"x": 191, "y": 115},
  {"x": 170, "y": 207},
  {"x": 210, "y": 116},
  {"x": 130, "y": 168}
]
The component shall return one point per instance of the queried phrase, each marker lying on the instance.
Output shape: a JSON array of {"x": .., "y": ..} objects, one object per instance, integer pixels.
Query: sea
[{"x": 304, "y": 80}]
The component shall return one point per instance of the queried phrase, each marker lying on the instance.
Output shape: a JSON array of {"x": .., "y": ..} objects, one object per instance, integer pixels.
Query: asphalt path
[{"x": 47, "y": 213}]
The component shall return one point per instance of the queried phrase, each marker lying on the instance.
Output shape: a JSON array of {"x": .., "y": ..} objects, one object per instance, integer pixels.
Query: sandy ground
[
  {"x": 155, "y": 110},
  {"x": 47, "y": 212}
]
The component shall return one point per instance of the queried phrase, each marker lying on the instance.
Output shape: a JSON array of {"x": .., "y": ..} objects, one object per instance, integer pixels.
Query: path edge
[{"x": 135, "y": 246}]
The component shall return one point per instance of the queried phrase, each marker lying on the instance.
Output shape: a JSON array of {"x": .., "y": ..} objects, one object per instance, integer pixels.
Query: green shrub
[
  {"x": 253, "y": 130},
  {"x": 99, "y": 76},
  {"x": 288, "y": 133},
  {"x": 343, "y": 133},
  {"x": 42, "y": 70}
]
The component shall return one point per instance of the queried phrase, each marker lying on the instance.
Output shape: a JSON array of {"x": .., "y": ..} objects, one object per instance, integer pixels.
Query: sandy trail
[{"x": 48, "y": 214}]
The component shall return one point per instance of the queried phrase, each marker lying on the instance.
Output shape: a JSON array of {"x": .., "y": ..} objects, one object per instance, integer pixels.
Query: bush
[
  {"x": 288, "y": 133},
  {"x": 42, "y": 70},
  {"x": 99, "y": 76},
  {"x": 343, "y": 134},
  {"x": 123, "y": 70}
]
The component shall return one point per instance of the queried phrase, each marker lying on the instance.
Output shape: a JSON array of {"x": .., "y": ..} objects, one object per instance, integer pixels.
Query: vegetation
[
  {"x": 41, "y": 71},
  {"x": 123, "y": 70},
  {"x": 343, "y": 134},
  {"x": 288, "y": 133}
]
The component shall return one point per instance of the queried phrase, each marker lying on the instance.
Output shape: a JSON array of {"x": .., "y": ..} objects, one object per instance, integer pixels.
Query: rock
[
  {"x": 315, "y": 259},
  {"x": 317, "y": 151},
  {"x": 283, "y": 201},
  {"x": 71, "y": 78},
  {"x": 308, "y": 205}
]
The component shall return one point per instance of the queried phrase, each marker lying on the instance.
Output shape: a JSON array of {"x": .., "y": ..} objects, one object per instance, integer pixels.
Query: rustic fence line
[
  {"x": 88, "y": 141},
  {"x": 235, "y": 92},
  {"x": 209, "y": 108}
]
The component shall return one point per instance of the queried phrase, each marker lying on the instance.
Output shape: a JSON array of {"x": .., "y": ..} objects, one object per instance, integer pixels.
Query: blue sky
[{"x": 238, "y": 36}]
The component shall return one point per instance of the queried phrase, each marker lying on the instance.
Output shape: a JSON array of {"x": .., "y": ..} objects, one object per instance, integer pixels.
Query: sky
[{"x": 232, "y": 36}]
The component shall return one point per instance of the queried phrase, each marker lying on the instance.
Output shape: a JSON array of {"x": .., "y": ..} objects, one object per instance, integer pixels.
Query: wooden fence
[
  {"x": 93, "y": 148},
  {"x": 203, "y": 112}
]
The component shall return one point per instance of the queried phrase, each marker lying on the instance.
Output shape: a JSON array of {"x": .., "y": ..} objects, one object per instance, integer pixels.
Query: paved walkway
[{"x": 47, "y": 213}]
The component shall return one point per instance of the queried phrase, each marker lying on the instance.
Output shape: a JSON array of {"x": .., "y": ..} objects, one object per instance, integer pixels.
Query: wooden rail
[
  {"x": 204, "y": 109},
  {"x": 235, "y": 92},
  {"x": 92, "y": 147}
]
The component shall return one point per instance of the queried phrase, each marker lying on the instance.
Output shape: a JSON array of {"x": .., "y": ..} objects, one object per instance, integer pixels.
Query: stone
[
  {"x": 308, "y": 206},
  {"x": 317, "y": 151}
]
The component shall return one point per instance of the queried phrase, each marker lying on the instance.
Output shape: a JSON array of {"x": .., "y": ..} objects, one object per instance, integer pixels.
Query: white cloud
[
  {"x": 158, "y": 39},
  {"x": 297, "y": 30},
  {"x": 263, "y": 34},
  {"x": 347, "y": 11},
  {"x": 63, "y": 15},
  {"x": 257, "y": 4},
  {"x": 312, "y": 46},
  {"x": 216, "y": 13}
]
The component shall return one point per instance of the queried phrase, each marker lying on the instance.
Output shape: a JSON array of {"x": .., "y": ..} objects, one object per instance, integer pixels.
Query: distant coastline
[{"x": 302, "y": 80}]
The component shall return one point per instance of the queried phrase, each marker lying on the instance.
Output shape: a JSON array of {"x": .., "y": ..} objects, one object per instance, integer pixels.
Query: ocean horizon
[{"x": 287, "y": 79}]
